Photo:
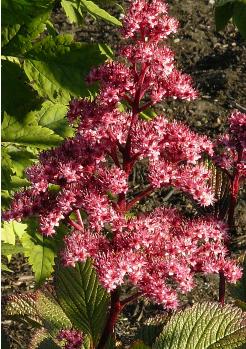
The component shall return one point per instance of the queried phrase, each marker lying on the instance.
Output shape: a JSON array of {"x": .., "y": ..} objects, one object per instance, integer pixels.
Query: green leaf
[
  {"x": 8, "y": 249},
  {"x": 204, "y": 326},
  {"x": 149, "y": 333},
  {"x": 17, "y": 39},
  {"x": 22, "y": 11},
  {"x": 73, "y": 11},
  {"x": 223, "y": 2},
  {"x": 22, "y": 22},
  {"x": 8, "y": 33},
  {"x": 53, "y": 116},
  {"x": 42, "y": 340},
  {"x": 106, "y": 50},
  {"x": 223, "y": 15},
  {"x": 148, "y": 115},
  {"x": 139, "y": 345},
  {"x": 21, "y": 159},
  {"x": 19, "y": 134},
  {"x": 6, "y": 169},
  {"x": 239, "y": 17},
  {"x": 48, "y": 343},
  {"x": 57, "y": 67},
  {"x": 50, "y": 28},
  {"x": 22, "y": 307},
  {"x": 82, "y": 298},
  {"x": 16, "y": 87},
  {"x": 4, "y": 340},
  {"x": 5, "y": 268},
  {"x": 52, "y": 316},
  {"x": 238, "y": 291},
  {"x": 16, "y": 183},
  {"x": 95, "y": 10},
  {"x": 8, "y": 233},
  {"x": 40, "y": 255}
]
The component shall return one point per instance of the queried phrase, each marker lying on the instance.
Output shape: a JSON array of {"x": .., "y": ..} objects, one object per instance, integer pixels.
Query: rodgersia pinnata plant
[{"x": 158, "y": 252}]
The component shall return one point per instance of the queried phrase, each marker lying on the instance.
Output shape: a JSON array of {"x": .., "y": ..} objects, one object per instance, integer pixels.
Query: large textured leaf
[
  {"x": 42, "y": 340},
  {"x": 40, "y": 309},
  {"x": 52, "y": 316},
  {"x": 204, "y": 326},
  {"x": 151, "y": 329},
  {"x": 57, "y": 67},
  {"x": 22, "y": 307},
  {"x": 82, "y": 298},
  {"x": 149, "y": 333},
  {"x": 19, "y": 134},
  {"x": 40, "y": 255}
]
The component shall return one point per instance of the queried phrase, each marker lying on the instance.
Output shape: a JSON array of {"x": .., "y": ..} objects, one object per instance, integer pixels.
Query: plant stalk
[
  {"x": 115, "y": 310},
  {"x": 231, "y": 224}
]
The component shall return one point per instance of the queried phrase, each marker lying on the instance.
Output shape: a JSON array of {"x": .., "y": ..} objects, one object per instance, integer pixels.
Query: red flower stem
[
  {"x": 130, "y": 298},
  {"x": 75, "y": 225},
  {"x": 139, "y": 197},
  {"x": 145, "y": 106},
  {"x": 230, "y": 221},
  {"x": 78, "y": 215},
  {"x": 222, "y": 284},
  {"x": 233, "y": 200},
  {"x": 115, "y": 310},
  {"x": 135, "y": 111}
]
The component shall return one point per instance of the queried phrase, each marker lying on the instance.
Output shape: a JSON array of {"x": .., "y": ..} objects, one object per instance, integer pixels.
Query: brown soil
[{"x": 217, "y": 63}]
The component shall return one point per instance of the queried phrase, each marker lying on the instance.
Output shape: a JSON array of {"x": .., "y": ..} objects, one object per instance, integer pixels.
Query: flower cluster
[
  {"x": 73, "y": 339},
  {"x": 90, "y": 172},
  {"x": 231, "y": 147},
  {"x": 159, "y": 252}
]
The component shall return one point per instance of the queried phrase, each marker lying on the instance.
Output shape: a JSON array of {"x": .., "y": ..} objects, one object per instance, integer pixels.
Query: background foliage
[
  {"x": 41, "y": 71},
  {"x": 231, "y": 9}
]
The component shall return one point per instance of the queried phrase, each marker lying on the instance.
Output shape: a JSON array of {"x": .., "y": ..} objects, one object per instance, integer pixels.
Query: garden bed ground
[{"x": 217, "y": 63}]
